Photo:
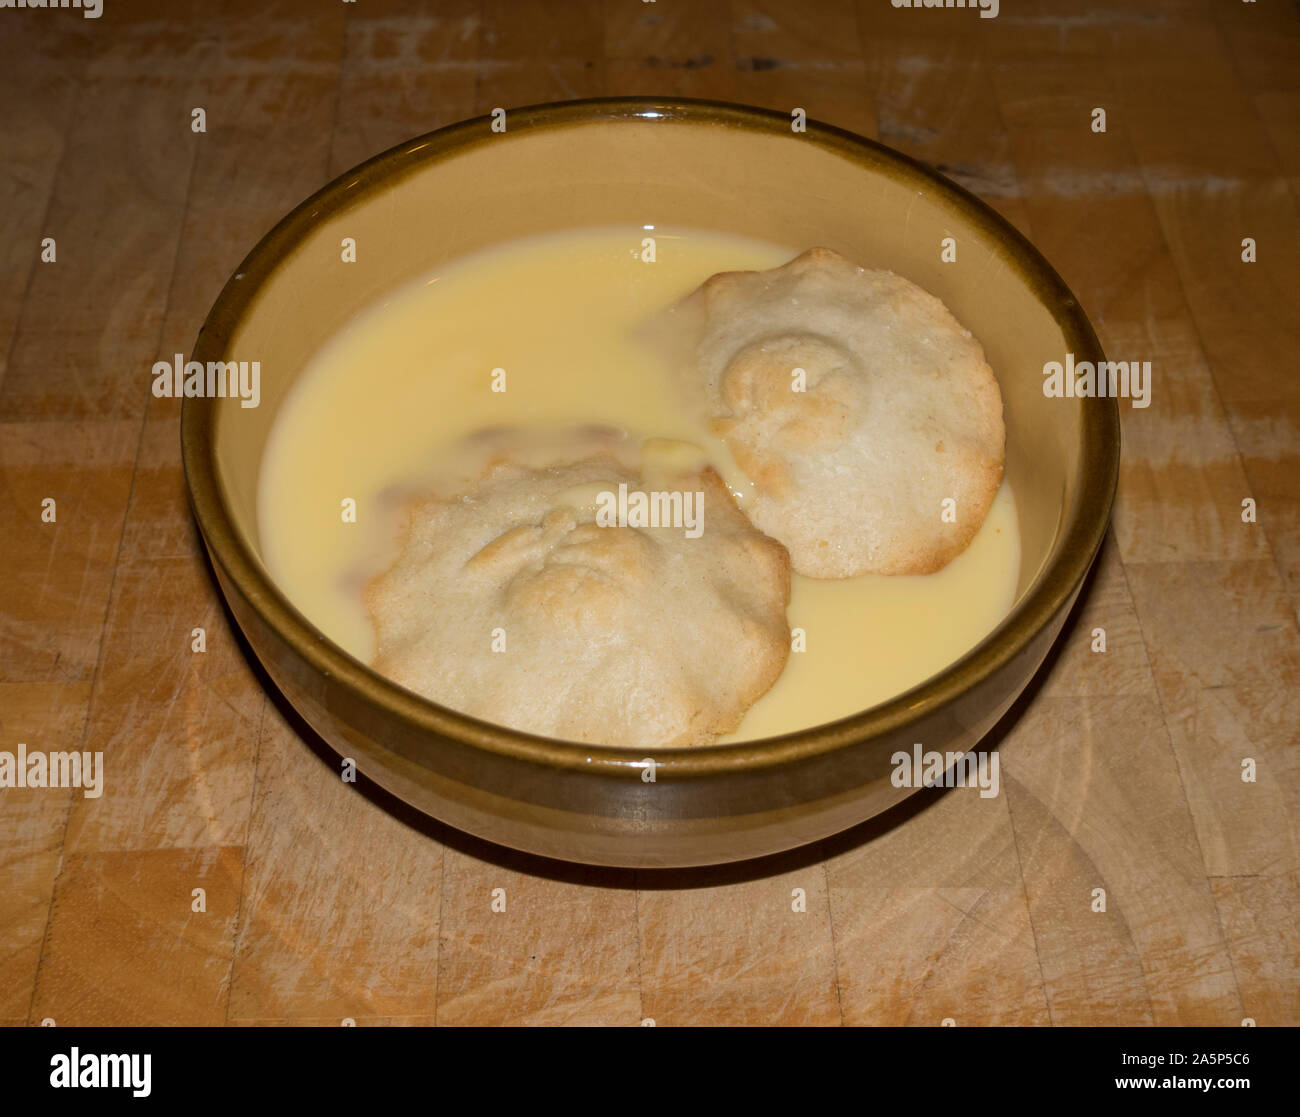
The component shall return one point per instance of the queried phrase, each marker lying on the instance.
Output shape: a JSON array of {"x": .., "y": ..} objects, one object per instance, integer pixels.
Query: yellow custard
[{"x": 557, "y": 322}]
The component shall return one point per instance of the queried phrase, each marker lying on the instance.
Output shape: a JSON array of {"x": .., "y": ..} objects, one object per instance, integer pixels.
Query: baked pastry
[
  {"x": 885, "y": 452},
  {"x": 515, "y": 599}
]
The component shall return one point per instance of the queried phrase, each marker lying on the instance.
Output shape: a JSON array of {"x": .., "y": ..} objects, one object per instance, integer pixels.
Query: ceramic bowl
[{"x": 661, "y": 161}]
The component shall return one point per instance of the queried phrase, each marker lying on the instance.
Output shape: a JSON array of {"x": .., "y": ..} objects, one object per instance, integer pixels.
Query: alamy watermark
[
  {"x": 653, "y": 509},
  {"x": 927, "y": 768},
  {"x": 215, "y": 380},
  {"x": 988, "y": 9},
  {"x": 87, "y": 1070},
  {"x": 90, "y": 9},
  {"x": 55, "y": 769},
  {"x": 1084, "y": 380}
]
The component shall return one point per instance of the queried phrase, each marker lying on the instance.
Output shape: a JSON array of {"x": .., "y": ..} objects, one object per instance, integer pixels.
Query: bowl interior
[{"x": 466, "y": 188}]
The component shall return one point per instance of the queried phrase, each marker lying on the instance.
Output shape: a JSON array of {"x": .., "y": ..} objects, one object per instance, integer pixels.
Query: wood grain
[{"x": 1121, "y": 770}]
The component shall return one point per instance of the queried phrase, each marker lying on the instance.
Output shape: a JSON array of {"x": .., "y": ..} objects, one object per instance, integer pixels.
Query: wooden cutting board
[{"x": 1122, "y": 770}]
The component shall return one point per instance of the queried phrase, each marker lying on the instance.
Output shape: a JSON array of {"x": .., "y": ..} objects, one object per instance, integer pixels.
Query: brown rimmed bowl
[{"x": 668, "y": 162}]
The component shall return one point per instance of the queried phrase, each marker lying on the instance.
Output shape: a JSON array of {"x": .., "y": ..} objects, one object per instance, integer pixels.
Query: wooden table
[{"x": 1122, "y": 771}]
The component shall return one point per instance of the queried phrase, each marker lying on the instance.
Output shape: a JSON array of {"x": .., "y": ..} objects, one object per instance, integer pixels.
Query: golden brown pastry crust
[
  {"x": 612, "y": 635},
  {"x": 900, "y": 412}
]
